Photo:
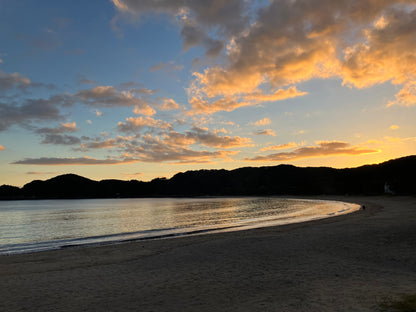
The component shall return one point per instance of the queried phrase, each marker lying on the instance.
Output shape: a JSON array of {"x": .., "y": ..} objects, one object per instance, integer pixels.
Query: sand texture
[{"x": 346, "y": 263}]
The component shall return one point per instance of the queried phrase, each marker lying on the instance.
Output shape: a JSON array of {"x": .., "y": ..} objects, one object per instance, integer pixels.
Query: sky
[{"x": 128, "y": 89}]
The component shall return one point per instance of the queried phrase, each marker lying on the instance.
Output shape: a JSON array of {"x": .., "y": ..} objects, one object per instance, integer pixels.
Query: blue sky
[{"x": 142, "y": 89}]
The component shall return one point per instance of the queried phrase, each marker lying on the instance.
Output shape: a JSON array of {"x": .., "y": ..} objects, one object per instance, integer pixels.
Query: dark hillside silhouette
[{"x": 394, "y": 177}]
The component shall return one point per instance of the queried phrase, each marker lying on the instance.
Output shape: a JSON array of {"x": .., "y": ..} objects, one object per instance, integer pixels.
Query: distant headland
[{"x": 397, "y": 176}]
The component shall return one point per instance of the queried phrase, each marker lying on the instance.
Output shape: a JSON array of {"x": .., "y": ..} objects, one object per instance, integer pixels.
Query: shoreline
[
  {"x": 343, "y": 263},
  {"x": 144, "y": 235}
]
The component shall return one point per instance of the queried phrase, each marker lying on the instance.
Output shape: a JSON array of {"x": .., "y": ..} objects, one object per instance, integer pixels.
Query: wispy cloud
[
  {"x": 279, "y": 147},
  {"x": 166, "y": 67},
  {"x": 82, "y": 79},
  {"x": 323, "y": 149},
  {"x": 56, "y": 161},
  {"x": 265, "y": 132},
  {"x": 39, "y": 173}
]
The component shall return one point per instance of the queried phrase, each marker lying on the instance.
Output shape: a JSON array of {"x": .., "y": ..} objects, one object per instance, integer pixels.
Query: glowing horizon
[{"x": 153, "y": 88}]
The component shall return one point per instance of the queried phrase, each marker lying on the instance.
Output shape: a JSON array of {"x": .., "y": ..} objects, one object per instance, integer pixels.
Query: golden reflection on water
[{"x": 54, "y": 220}]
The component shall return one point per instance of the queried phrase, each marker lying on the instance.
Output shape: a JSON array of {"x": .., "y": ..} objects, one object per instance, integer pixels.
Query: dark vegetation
[{"x": 398, "y": 175}]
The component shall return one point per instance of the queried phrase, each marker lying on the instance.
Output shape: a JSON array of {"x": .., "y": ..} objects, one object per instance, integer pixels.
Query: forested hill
[{"x": 396, "y": 176}]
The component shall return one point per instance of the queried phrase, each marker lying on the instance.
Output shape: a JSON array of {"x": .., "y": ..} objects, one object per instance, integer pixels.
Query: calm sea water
[{"x": 30, "y": 226}]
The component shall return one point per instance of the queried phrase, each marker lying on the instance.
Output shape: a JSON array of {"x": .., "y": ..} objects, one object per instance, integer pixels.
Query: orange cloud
[
  {"x": 69, "y": 126},
  {"x": 145, "y": 110},
  {"x": 2, "y": 148},
  {"x": 135, "y": 174},
  {"x": 134, "y": 124},
  {"x": 323, "y": 149},
  {"x": 394, "y": 127},
  {"x": 276, "y": 51},
  {"x": 205, "y": 137},
  {"x": 406, "y": 96},
  {"x": 202, "y": 105},
  {"x": 279, "y": 147},
  {"x": 167, "y": 104},
  {"x": 364, "y": 43},
  {"x": 263, "y": 122}
]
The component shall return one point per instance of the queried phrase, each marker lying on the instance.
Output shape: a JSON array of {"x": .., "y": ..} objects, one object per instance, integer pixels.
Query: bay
[{"x": 36, "y": 225}]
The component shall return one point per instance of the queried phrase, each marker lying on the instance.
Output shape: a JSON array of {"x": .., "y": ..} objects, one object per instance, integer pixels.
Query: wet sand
[{"x": 346, "y": 263}]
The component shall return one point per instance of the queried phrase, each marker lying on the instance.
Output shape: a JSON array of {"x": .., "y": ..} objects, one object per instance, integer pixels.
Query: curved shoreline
[
  {"x": 319, "y": 209},
  {"x": 345, "y": 263}
]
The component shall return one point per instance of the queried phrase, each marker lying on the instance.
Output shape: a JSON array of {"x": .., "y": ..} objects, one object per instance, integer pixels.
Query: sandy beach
[{"x": 346, "y": 263}]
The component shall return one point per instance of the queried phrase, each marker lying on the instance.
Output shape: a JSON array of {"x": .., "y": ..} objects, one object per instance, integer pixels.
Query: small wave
[{"x": 293, "y": 211}]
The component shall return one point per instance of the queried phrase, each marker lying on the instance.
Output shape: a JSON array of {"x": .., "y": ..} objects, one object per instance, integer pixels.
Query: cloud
[
  {"x": 201, "y": 104},
  {"x": 56, "y": 135},
  {"x": 166, "y": 104},
  {"x": 166, "y": 67},
  {"x": 156, "y": 151},
  {"x": 64, "y": 127},
  {"x": 265, "y": 132},
  {"x": 82, "y": 79},
  {"x": 136, "y": 87},
  {"x": 263, "y": 122},
  {"x": 206, "y": 23},
  {"x": 279, "y": 147},
  {"x": 323, "y": 149},
  {"x": 13, "y": 80},
  {"x": 272, "y": 46},
  {"x": 406, "y": 96},
  {"x": 32, "y": 110},
  {"x": 361, "y": 42},
  {"x": 109, "y": 96},
  {"x": 394, "y": 127},
  {"x": 39, "y": 173},
  {"x": 204, "y": 137},
  {"x": 56, "y": 161},
  {"x": 144, "y": 110},
  {"x": 400, "y": 140},
  {"x": 278, "y": 95},
  {"x": 119, "y": 142},
  {"x": 194, "y": 35},
  {"x": 135, "y": 124},
  {"x": 2, "y": 148},
  {"x": 60, "y": 139}
]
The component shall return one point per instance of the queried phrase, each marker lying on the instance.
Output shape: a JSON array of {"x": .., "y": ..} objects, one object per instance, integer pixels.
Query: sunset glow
[{"x": 153, "y": 88}]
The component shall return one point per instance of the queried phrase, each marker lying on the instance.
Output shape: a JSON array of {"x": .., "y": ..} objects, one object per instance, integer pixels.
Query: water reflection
[{"x": 26, "y": 222}]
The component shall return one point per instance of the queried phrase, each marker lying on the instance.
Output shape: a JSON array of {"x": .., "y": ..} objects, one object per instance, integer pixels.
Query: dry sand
[{"x": 346, "y": 263}]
